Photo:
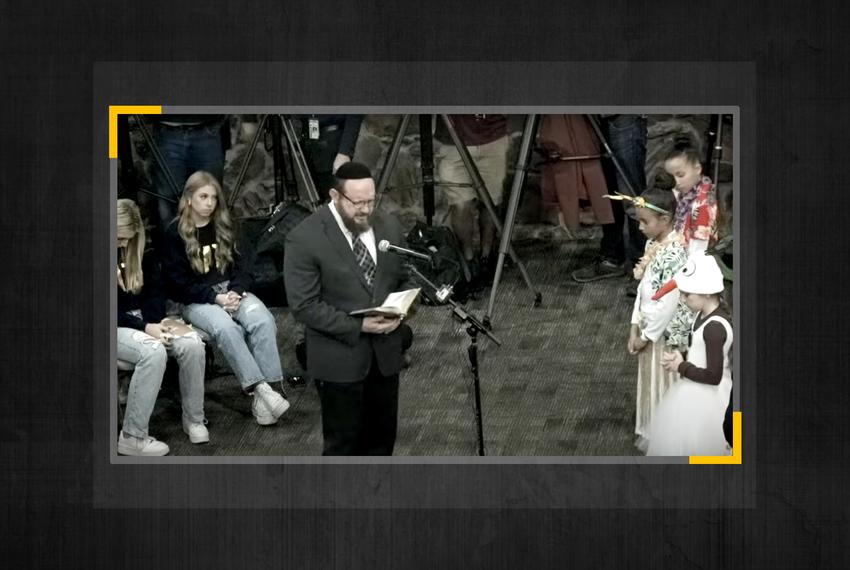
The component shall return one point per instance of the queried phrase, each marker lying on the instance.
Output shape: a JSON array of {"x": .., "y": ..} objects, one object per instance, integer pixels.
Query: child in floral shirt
[
  {"x": 656, "y": 325},
  {"x": 696, "y": 213}
]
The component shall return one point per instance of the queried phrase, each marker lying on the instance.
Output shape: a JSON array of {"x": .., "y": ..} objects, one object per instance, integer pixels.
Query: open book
[{"x": 395, "y": 305}]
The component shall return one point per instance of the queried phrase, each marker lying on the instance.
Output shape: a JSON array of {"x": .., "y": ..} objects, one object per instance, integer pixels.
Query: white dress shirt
[{"x": 367, "y": 237}]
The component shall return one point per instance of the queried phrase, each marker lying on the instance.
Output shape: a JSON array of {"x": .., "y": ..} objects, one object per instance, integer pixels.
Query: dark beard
[{"x": 353, "y": 226}]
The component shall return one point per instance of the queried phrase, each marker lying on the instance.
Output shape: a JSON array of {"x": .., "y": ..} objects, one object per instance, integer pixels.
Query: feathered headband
[{"x": 638, "y": 201}]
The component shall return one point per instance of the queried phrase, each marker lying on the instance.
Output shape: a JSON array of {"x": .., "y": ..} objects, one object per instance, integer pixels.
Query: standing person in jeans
[
  {"x": 208, "y": 273},
  {"x": 188, "y": 143},
  {"x": 328, "y": 142},
  {"x": 145, "y": 338},
  {"x": 622, "y": 242}
]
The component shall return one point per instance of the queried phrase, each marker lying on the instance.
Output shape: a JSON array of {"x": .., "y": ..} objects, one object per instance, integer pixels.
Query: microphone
[{"x": 386, "y": 246}]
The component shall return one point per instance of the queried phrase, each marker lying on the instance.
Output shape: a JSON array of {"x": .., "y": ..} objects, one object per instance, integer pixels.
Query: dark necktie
[{"x": 364, "y": 260}]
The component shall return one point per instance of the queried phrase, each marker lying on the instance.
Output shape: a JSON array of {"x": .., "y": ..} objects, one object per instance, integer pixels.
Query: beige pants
[{"x": 491, "y": 160}]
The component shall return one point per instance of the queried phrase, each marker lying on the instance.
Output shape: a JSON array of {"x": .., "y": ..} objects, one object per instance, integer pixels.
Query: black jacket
[
  {"x": 349, "y": 124},
  {"x": 186, "y": 286},
  {"x": 150, "y": 300},
  {"x": 324, "y": 283}
]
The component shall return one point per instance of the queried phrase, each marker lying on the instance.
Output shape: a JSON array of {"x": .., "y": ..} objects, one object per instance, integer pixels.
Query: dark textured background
[{"x": 798, "y": 514}]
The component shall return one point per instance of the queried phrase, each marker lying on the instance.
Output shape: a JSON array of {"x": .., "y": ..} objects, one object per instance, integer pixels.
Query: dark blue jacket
[{"x": 150, "y": 300}]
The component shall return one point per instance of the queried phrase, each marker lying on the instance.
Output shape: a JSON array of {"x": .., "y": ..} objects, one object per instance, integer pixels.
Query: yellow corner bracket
[
  {"x": 115, "y": 110},
  {"x": 735, "y": 458}
]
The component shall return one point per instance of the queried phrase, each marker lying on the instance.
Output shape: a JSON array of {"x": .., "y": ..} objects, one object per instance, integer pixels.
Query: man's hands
[{"x": 380, "y": 324}]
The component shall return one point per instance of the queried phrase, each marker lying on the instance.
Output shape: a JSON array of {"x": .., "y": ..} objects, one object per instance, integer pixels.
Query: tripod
[
  {"x": 277, "y": 126},
  {"x": 714, "y": 148},
  {"x": 474, "y": 326},
  {"x": 428, "y": 184},
  {"x": 522, "y": 167},
  {"x": 280, "y": 126},
  {"x": 157, "y": 156}
]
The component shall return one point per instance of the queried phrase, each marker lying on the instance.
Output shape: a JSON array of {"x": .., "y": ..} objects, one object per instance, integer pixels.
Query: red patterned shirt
[{"x": 696, "y": 216}]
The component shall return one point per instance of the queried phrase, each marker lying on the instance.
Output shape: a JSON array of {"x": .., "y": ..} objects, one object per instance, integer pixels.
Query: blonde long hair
[
  {"x": 224, "y": 231},
  {"x": 130, "y": 221}
]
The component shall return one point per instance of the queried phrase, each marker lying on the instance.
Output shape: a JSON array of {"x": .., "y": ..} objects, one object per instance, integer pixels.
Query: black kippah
[{"x": 353, "y": 171}]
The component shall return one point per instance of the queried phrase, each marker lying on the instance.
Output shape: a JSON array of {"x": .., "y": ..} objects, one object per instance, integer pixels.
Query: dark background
[{"x": 799, "y": 515}]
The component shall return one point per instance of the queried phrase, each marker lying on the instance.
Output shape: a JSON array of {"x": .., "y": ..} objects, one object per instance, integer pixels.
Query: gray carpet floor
[{"x": 561, "y": 384}]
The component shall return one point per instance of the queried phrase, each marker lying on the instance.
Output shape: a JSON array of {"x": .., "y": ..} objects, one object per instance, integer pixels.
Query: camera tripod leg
[
  {"x": 283, "y": 125},
  {"x": 594, "y": 122},
  {"x": 392, "y": 156},
  {"x": 716, "y": 149},
  {"x": 484, "y": 196},
  {"x": 523, "y": 159},
  {"x": 160, "y": 160},
  {"x": 237, "y": 186},
  {"x": 300, "y": 161},
  {"x": 426, "y": 146},
  {"x": 279, "y": 169}
]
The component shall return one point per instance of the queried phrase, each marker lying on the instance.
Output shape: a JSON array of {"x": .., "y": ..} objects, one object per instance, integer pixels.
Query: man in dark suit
[{"x": 332, "y": 266}]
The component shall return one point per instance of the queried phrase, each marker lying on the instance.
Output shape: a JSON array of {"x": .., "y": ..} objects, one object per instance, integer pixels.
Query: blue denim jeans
[
  {"x": 149, "y": 356},
  {"x": 185, "y": 151},
  {"x": 248, "y": 339},
  {"x": 626, "y": 134}
]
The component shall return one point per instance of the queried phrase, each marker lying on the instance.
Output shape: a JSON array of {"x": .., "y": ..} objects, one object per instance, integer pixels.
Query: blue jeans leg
[
  {"x": 191, "y": 358},
  {"x": 229, "y": 338},
  {"x": 259, "y": 323},
  {"x": 185, "y": 152},
  {"x": 173, "y": 147},
  {"x": 626, "y": 135},
  {"x": 148, "y": 354},
  {"x": 205, "y": 151}
]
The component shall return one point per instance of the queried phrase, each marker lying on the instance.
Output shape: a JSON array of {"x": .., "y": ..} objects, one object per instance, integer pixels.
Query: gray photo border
[{"x": 105, "y": 75}]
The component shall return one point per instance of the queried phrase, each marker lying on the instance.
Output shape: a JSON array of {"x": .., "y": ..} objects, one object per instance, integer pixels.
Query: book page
[
  {"x": 400, "y": 300},
  {"x": 177, "y": 328},
  {"x": 395, "y": 305}
]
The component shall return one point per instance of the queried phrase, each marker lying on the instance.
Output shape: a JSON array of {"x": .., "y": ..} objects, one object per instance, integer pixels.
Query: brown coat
[{"x": 565, "y": 182}]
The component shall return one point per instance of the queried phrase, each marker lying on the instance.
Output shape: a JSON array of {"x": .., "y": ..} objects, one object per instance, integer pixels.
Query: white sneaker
[
  {"x": 141, "y": 447},
  {"x": 198, "y": 433},
  {"x": 268, "y": 405}
]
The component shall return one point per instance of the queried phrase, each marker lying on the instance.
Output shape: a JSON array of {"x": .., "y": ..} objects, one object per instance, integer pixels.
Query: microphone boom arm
[{"x": 386, "y": 246}]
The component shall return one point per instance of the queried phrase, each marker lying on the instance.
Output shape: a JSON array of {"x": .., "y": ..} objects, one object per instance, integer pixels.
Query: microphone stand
[{"x": 474, "y": 326}]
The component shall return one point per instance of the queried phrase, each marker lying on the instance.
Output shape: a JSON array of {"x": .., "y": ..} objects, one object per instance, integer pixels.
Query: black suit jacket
[{"x": 324, "y": 283}]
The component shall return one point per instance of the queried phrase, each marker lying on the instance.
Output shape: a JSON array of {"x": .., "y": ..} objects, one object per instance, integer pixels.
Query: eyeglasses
[{"x": 359, "y": 203}]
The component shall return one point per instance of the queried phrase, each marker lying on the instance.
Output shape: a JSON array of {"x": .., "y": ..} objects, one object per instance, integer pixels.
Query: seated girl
[
  {"x": 145, "y": 339},
  {"x": 208, "y": 274}
]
